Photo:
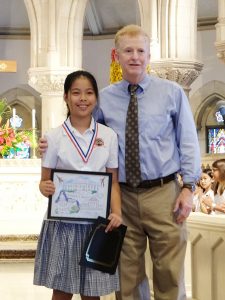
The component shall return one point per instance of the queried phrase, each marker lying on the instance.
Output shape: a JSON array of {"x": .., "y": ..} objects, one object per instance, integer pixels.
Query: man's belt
[{"x": 147, "y": 184}]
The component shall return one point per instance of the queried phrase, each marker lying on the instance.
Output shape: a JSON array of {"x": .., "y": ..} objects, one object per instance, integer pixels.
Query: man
[{"x": 156, "y": 208}]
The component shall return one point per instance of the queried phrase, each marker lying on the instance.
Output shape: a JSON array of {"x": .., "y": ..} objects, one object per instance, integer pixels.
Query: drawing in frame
[{"x": 80, "y": 195}]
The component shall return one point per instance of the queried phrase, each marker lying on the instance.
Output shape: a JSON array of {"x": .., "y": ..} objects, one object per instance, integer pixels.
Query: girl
[
  {"x": 206, "y": 191},
  {"x": 60, "y": 242},
  {"x": 218, "y": 169}
]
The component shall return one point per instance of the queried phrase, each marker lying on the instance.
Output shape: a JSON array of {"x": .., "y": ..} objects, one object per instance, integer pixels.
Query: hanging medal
[{"x": 84, "y": 156}]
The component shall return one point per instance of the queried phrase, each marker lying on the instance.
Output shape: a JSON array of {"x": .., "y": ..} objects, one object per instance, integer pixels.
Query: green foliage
[{"x": 5, "y": 112}]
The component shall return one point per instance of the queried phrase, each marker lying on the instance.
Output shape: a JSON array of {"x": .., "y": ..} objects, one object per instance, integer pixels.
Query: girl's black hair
[
  {"x": 208, "y": 172},
  {"x": 75, "y": 75}
]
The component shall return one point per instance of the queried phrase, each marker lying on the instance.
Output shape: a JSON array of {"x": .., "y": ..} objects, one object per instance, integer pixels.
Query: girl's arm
[
  {"x": 46, "y": 185},
  {"x": 213, "y": 206},
  {"x": 115, "y": 215},
  {"x": 219, "y": 207}
]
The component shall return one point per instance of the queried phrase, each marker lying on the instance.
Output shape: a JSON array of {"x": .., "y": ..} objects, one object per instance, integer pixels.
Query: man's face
[{"x": 133, "y": 55}]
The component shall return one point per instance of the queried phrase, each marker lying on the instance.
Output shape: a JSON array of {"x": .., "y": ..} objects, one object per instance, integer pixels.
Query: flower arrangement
[{"x": 13, "y": 143}]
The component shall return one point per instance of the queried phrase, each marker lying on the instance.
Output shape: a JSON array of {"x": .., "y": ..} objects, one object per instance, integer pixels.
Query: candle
[
  {"x": 14, "y": 113},
  {"x": 14, "y": 118},
  {"x": 33, "y": 118}
]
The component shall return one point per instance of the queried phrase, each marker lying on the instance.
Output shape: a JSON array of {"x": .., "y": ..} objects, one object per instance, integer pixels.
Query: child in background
[
  {"x": 196, "y": 194},
  {"x": 206, "y": 182},
  {"x": 218, "y": 206},
  {"x": 60, "y": 242}
]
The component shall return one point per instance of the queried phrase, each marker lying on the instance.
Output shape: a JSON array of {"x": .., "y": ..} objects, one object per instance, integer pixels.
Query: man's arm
[
  {"x": 42, "y": 145},
  {"x": 190, "y": 160}
]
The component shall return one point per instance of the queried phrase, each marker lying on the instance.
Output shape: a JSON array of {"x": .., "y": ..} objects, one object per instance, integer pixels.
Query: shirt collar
[
  {"x": 75, "y": 132},
  {"x": 142, "y": 84}
]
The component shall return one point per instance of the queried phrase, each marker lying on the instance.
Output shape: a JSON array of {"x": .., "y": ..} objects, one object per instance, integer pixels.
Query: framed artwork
[{"x": 80, "y": 195}]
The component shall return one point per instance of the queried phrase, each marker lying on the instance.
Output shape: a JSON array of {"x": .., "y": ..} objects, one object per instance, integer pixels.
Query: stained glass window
[{"x": 215, "y": 139}]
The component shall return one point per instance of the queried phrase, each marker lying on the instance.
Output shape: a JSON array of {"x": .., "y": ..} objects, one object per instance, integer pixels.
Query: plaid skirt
[{"x": 57, "y": 259}]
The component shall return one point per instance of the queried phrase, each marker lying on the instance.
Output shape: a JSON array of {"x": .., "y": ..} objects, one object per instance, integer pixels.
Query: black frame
[{"x": 108, "y": 188}]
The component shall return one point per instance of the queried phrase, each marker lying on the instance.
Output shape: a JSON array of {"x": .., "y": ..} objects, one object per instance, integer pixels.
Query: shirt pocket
[{"x": 156, "y": 126}]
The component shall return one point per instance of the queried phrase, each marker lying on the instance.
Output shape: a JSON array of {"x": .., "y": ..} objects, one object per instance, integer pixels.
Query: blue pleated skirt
[{"x": 57, "y": 259}]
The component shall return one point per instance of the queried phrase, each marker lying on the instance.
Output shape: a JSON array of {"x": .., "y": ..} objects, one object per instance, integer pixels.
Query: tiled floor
[{"x": 16, "y": 282}]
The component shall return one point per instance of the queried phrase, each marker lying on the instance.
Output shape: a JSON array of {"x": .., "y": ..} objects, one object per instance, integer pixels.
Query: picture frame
[{"x": 79, "y": 195}]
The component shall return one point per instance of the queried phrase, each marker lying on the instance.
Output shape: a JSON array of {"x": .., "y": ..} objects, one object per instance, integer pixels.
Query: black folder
[{"x": 102, "y": 250}]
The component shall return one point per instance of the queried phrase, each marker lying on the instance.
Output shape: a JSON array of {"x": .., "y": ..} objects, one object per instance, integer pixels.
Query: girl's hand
[
  {"x": 47, "y": 187},
  {"x": 115, "y": 221},
  {"x": 204, "y": 208},
  {"x": 207, "y": 201}
]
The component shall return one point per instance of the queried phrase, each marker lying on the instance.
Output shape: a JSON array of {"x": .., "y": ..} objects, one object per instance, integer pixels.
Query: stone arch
[
  {"x": 203, "y": 103},
  {"x": 205, "y": 99},
  {"x": 24, "y": 99}
]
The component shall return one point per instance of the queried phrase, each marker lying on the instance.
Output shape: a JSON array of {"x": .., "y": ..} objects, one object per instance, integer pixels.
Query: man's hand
[
  {"x": 42, "y": 146},
  {"x": 183, "y": 205}
]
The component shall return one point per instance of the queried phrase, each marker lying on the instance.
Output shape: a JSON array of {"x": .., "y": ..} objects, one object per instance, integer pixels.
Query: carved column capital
[
  {"x": 183, "y": 72},
  {"x": 220, "y": 47},
  {"x": 46, "y": 81}
]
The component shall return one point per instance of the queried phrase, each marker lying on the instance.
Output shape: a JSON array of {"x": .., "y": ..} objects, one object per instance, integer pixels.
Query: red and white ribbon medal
[{"x": 84, "y": 156}]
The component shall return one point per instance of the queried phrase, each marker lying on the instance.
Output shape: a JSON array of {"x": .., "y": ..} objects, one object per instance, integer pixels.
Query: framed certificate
[{"x": 80, "y": 195}]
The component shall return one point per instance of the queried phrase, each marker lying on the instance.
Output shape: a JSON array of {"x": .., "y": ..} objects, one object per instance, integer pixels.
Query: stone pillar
[
  {"x": 56, "y": 50},
  {"x": 220, "y": 31},
  {"x": 49, "y": 83},
  {"x": 173, "y": 32}
]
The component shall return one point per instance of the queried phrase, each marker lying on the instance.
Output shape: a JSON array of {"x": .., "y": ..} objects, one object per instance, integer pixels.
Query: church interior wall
[
  {"x": 19, "y": 50},
  {"x": 213, "y": 69},
  {"x": 96, "y": 57}
]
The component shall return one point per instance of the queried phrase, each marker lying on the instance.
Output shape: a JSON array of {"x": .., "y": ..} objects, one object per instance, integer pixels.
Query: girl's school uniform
[
  {"x": 219, "y": 199},
  {"x": 196, "y": 200},
  {"x": 61, "y": 243}
]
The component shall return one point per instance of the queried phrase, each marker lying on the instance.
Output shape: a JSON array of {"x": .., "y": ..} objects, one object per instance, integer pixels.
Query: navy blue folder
[{"x": 102, "y": 250}]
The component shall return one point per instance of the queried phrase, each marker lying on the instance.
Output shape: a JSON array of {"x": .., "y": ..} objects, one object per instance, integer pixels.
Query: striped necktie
[{"x": 132, "y": 159}]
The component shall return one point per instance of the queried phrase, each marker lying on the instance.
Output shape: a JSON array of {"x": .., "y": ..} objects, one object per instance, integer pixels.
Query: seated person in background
[
  {"x": 218, "y": 170},
  {"x": 206, "y": 182},
  {"x": 197, "y": 193}
]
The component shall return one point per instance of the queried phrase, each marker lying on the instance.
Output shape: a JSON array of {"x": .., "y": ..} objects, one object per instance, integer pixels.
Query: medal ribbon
[{"x": 84, "y": 156}]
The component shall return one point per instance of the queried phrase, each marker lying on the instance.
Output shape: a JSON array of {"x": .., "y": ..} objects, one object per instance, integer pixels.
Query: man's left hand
[{"x": 183, "y": 205}]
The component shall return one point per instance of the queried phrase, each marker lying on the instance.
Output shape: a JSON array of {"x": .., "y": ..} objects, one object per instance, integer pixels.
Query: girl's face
[
  {"x": 81, "y": 98},
  {"x": 205, "y": 181}
]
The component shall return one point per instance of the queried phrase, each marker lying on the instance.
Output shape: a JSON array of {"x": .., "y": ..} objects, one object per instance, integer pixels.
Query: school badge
[{"x": 99, "y": 142}]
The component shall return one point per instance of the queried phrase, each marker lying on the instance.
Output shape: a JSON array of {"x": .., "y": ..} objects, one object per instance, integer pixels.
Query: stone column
[
  {"x": 173, "y": 32},
  {"x": 56, "y": 50},
  {"x": 220, "y": 31},
  {"x": 49, "y": 83}
]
